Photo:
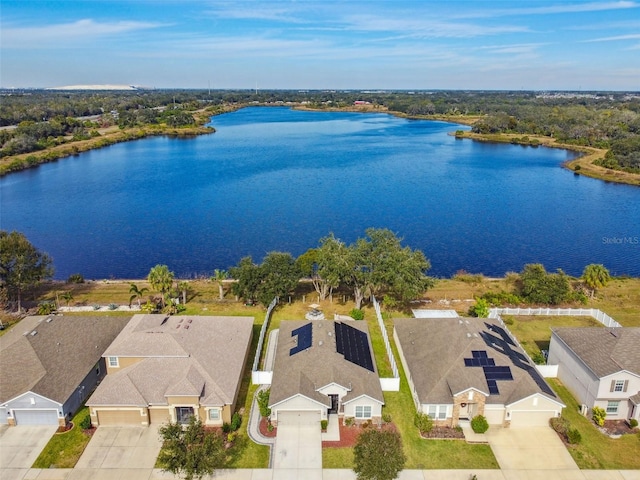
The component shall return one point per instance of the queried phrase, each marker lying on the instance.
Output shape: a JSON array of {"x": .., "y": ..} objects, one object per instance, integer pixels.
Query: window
[
  {"x": 618, "y": 386},
  {"x": 363, "y": 411},
  {"x": 183, "y": 414},
  {"x": 612, "y": 407},
  {"x": 214, "y": 414},
  {"x": 113, "y": 362},
  {"x": 437, "y": 412}
]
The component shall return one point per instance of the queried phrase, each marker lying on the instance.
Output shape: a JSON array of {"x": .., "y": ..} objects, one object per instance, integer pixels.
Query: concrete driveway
[
  {"x": 298, "y": 446},
  {"x": 21, "y": 445},
  {"x": 122, "y": 448},
  {"x": 529, "y": 448}
]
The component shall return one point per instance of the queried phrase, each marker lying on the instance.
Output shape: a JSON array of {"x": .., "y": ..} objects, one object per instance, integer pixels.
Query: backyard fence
[
  {"x": 599, "y": 315},
  {"x": 260, "y": 377},
  {"x": 387, "y": 384}
]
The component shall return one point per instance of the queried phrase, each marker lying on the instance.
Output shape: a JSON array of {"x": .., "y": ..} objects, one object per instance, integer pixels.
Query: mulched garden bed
[
  {"x": 616, "y": 427},
  {"x": 444, "y": 433},
  {"x": 349, "y": 434},
  {"x": 264, "y": 431}
]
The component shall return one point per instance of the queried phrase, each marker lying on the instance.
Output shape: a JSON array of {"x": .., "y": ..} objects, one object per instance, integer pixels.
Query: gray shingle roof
[
  {"x": 318, "y": 366},
  {"x": 180, "y": 356},
  {"x": 435, "y": 349},
  {"x": 54, "y": 361},
  {"x": 604, "y": 350}
]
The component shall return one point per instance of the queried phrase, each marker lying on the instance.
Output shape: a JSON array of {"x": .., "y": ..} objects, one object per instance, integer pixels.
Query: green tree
[
  {"x": 22, "y": 266},
  {"x": 190, "y": 451},
  {"x": 263, "y": 402},
  {"x": 219, "y": 276},
  {"x": 67, "y": 297},
  {"x": 279, "y": 276},
  {"x": 333, "y": 259},
  {"x": 161, "y": 279},
  {"x": 248, "y": 277},
  {"x": 595, "y": 276},
  {"x": 378, "y": 455},
  {"x": 136, "y": 293},
  {"x": 480, "y": 309},
  {"x": 538, "y": 286},
  {"x": 183, "y": 287}
]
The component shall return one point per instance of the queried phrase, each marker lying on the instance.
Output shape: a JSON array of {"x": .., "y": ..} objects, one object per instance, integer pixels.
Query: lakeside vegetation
[{"x": 603, "y": 127}]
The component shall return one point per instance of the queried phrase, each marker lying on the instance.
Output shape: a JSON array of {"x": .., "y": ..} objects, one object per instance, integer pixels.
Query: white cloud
[
  {"x": 615, "y": 38},
  {"x": 65, "y": 33},
  {"x": 554, "y": 9}
]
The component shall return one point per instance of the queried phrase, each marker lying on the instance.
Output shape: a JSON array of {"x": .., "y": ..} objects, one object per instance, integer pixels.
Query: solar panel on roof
[
  {"x": 493, "y": 387},
  {"x": 304, "y": 334},
  {"x": 479, "y": 353},
  {"x": 354, "y": 345}
]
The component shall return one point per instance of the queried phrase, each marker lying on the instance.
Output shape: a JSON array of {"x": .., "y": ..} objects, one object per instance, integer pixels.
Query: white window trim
[
  {"x": 362, "y": 410},
  {"x": 613, "y": 407},
  {"x": 217, "y": 412},
  {"x": 437, "y": 412},
  {"x": 618, "y": 386},
  {"x": 114, "y": 362}
]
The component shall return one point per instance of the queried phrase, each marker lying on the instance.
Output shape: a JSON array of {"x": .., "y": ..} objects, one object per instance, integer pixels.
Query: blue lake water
[{"x": 279, "y": 179}]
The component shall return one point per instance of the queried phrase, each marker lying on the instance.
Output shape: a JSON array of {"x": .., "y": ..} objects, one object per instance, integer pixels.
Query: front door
[
  {"x": 183, "y": 414},
  {"x": 334, "y": 404}
]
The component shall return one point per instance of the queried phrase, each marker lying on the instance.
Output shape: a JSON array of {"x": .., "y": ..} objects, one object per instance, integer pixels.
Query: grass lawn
[
  {"x": 596, "y": 449},
  {"x": 337, "y": 457},
  {"x": 64, "y": 449},
  {"x": 534, "y": 332}
]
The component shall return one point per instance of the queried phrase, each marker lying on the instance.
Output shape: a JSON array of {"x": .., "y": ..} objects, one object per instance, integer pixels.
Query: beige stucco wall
[
  {"x": 123, "y": 362},
  {"x": 376, "y": 407}
]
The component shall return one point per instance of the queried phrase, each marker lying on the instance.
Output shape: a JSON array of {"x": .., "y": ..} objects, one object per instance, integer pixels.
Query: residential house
[
  {"x": 50, "y": 364},
  {"x": 324, "y": 368},
  {"x": 169, "y": 368},
  {"x": 600, "y": 366},
  {"x": 458, "y": 368}
]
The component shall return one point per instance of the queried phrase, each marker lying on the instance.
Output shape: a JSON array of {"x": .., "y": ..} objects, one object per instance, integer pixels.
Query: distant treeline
[{"x": 609, "y": 120}]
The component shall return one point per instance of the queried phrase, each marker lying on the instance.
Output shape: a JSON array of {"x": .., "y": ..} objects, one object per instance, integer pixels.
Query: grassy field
[
  {"x": 534, "y": 332},
  {"x": 596, "y": 449},
  {"x": 64, "y": 449}
]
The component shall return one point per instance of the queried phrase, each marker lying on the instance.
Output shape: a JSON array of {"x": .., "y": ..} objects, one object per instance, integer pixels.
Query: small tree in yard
[
  {"x": 595, "y": 276},
  {"x": 423, "y": 422},
  {"x": 190, "y": 451},
  {"x": 599, "y": 414},
  {"x": 378, "y": 455},
  {"x": 263, "y": 403},
  {"x": 479, "y": 424}
]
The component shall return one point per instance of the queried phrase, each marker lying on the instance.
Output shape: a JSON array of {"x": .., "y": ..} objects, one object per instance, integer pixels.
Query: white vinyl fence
[
  {"x": 262, "y": 377},
  {"x": 599, "y": 315},
  {"x": 387, "y": 384}
]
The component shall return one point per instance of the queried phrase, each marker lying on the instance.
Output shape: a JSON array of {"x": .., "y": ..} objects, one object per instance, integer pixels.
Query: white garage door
[
  {"x": 298, "y": 417},
  {"x": 36, "y": 417},
  {"x": 531, "y": 419}
]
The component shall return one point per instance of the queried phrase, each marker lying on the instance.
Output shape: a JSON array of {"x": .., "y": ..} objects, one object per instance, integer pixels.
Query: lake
[{"x": 279, "y": 179}]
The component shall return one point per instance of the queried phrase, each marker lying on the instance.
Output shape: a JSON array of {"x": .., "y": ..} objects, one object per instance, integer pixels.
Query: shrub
[
  {"x": 538, "y": 358},
  {"x": 226, "y": 427},
  {"x": 423, "y": 423},
  {"x": 113, "y": 306},
  {"x": 263, "y": 403},
  {"x": 386, "y": 418},
  {"x": 324, "y": 424},
  {"x": 236, "y": 421},
  {"x": 231, "y": 437},
  {"x": 633, "y": 423},
  {"x": 75, "y": 278},
  {"x": 85, "y": 423},
  {"x": 96, "y": 306},
  {"x": 508, "y": 320},
  {"x": 480, "y": 309},
  {"x": 479, "y": 424},
  {"x": 573, "y": 436},
  {"x": 348, "y": 421},
  {"x": 560, "y": 425},
  {"x": 45, "y": 308},
  {"x": 357, "y": 314},
  {"x": 599, "y": 415},
  {"x": 270, "y": 427}
]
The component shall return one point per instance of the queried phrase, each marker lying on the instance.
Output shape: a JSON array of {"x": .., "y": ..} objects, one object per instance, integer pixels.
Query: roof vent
[
  {"x": 468, "y": 335},
  {"x": 33, "y": 333},
  {"x": 330, "y": 334},
  {"x": 320, "y": 343},
  {"x": 49, "y": 320},
  {"x": 186, "y": 327},
  {"x": 190, "y": 320}
]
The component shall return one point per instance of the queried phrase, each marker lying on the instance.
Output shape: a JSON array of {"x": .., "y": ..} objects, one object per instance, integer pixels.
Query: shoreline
[{"x": 583, "y": 165}]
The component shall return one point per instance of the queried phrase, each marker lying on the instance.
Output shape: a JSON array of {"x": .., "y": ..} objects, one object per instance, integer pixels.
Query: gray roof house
[
  {"x": 50, "y": 364},
  {"x": 169, "y": 368},
  {"x": 600, "y": 366},
  {"x": 458, "y": 368},
  {"x": 324, "y": 367}
]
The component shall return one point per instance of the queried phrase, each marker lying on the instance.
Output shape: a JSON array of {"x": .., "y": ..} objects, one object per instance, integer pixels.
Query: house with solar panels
[
  {"x": 324, "y": 368},
  {"x": 458, "y": 368}
]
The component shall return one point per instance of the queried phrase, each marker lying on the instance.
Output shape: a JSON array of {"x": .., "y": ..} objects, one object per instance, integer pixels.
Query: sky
[{"x": 350, "y": 44}]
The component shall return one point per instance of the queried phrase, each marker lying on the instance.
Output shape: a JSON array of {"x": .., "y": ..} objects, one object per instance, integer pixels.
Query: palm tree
[
  {"x": 183, "y": 286},
  {"x": 161, "y": 279},
  {"x": 595, "y": 276},
  {"x": 67, "y": 296},
  {"x": 136, "y": 293},
  {"x": 219, "y": 276}
]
